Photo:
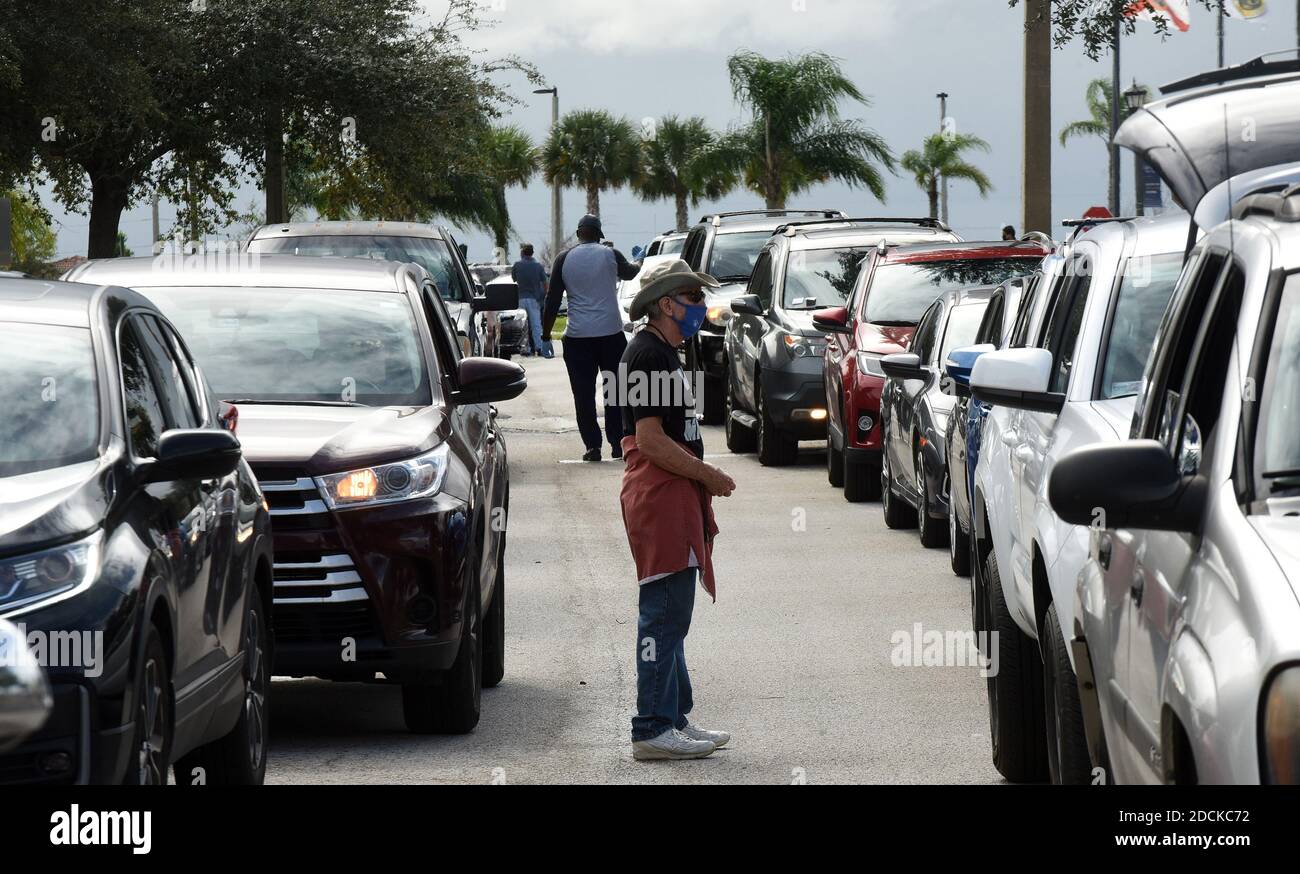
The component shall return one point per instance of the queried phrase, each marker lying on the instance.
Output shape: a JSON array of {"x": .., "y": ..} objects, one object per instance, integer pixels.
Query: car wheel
[
  {"x": 1068, "y": 761},
  {"x": 452, "y": 706},
  {"x": 494, "y": 628},
  {"x": 958, "y": 543},
  {"x": 861, "y": 481},
  {"x": 775, "y": 447},
  {"x": 714, "y": 407},
  {"x": 897, "y": 514},
  {"x": 932, "y": 535},
  {"x": 739, "y": 438},
  {"x": 151, "y": 747},
  {"x": 239, "y": 758},
  {"x": 834, "y": 465},
  {"x": 1015, "y": 692}
]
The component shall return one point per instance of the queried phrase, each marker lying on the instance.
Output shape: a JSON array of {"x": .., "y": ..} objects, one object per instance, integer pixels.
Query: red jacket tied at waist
[{"x": 666, "y": 517}]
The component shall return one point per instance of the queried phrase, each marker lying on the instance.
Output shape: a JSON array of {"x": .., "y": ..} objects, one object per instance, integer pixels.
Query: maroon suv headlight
[{"x": 419, "y": 477}]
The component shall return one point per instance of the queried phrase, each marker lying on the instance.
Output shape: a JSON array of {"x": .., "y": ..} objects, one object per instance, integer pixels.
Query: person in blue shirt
[{"x": 530, "y": 277}]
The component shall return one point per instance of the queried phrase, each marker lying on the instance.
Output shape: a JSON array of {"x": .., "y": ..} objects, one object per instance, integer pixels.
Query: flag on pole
[
  {"x": 1176, "y": 12},
  {"x": 1247, "y": 10}
]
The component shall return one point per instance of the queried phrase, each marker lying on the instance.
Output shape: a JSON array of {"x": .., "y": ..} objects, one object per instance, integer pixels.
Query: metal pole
[
  {"x": 1220, "y": 32},
  {"x": 153, "y": 243},
  {"x": 1139, "y": 189},
  {"x": 1114, "y": 125},
  {"x": 557, "y": 203},
  {"x": 943, "y": 190}
]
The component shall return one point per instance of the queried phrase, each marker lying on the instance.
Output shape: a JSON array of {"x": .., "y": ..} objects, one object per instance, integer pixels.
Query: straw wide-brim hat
[{"x": 664, "y": 279}]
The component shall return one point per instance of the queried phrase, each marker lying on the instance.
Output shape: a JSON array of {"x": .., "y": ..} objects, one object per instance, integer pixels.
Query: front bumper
[
  {"x": 365, "y": 591},
  {"x": 795, "y": 397},
  {"x": 864, "y": 400},
  {"x": 712, "y": 351}
]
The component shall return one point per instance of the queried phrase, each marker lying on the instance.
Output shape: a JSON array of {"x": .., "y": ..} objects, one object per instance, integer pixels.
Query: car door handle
[
  {"x": 1105, "y": 547},
  {"x": 1024, "y": 454},
  {"x": 1137, "y": 586},
  {"x": 1010, "y": 438},
  {"x": 492, "y": 437}
]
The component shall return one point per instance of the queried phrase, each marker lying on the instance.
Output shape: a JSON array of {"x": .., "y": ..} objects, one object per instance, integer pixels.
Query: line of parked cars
[
  {"x": 218, "y": 469},
  {"x": 1105, "y": 432}
]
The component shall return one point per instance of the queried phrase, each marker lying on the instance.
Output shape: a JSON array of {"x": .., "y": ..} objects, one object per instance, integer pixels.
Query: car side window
[
  {"x": 1020, "y": 331},
  {"x": 445, "y": 341},
  {"x": 760, "y": 283},
  {"x": 1062, "y": 338},
  {"x": 990, "y": 329},
  {"x": 177, "y": 405},
  {"x": 694, "y": 248},
  {"x": 144, "y": 413},
  {"x": 926, "y": 331},
  {"x": 194, "y": 383}
]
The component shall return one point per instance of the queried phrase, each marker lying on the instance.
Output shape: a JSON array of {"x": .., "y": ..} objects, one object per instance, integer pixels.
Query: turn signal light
[{"x": 358, "y": 484}]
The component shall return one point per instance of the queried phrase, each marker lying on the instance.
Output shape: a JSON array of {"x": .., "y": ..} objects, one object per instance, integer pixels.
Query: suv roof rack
[
  {"x": 1252, "y": 69},
  {"x": 866, "y": 220},
  {"x": 1283, "y": 205},
  {"x": 716, "y": 218}
]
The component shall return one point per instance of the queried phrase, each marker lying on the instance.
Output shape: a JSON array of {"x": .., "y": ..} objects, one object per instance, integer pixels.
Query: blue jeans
[
  {"x": 663, "y": 688},
  {"x": 533, "y": 307}
]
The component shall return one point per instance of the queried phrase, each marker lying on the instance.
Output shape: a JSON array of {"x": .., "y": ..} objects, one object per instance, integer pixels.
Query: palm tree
[
  {"x": 941, "y": 156},
  {"x": 796, "y": 137},
  {"x": 676, "y": 164},
  {"x": 1098, "y": 96},
  {"x": 592, "y": 150},
  {"x": 512, "y": 160}
]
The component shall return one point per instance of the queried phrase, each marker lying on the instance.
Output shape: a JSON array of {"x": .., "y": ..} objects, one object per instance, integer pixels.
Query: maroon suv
[{"x": 894, "y": 287}]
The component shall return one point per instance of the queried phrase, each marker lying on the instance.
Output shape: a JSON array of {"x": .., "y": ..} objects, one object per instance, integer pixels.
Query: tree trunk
[
  {"x": 683, "y": 222},
  {"x": 277, "y": 211},
  {"x": 108, "y": 196},
  {"x": 501, "y": 227},
  {"x": 772, "y": 198},
  {"x": 1036, "y": 168},
  {"x": 933, "y": 193},
  {"x": 593, "y": 199}
]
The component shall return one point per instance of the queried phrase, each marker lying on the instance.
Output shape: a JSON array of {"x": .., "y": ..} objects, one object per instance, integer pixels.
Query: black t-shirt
[{"x": 654, "y": 383}]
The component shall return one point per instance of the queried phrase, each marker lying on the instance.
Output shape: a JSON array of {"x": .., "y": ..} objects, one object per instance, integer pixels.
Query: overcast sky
[{"x": 648, "y": 59}]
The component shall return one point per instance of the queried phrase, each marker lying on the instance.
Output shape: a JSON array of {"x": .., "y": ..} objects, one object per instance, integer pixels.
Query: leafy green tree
[
  {"x": 796, "y": 137},
  {"x": 512, "y": 160},
  {"x": 677, "y": 164},
  {"x": 593, "y": 150},
  {"x": 941, "y": 155},
  {"x": 1094, "y": 22},
  {"x": 31, "y": 238}
]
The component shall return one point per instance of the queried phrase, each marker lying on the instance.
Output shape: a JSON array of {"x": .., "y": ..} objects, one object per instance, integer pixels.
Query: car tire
[
  {"x": 239, "y": 758},
  {"x": 834, "y": 465},
  {"x": 155, "y": 715},
  {"x": 1015, "y": 692},
  {"x": 861, "y": 481},
  {"x": 897, "y": 514},
  {"x": 932, "y": 535},
  {"x": 494, "y": 628},
  {"x": 775, "y": 447},
  {"x": 739, "y": 438},
  {"x": 1068, "y": 762},
  {"x": 713, "y": 410},
  {"x": 958, "y": 544},
  {"x": 451, "y": 706}
]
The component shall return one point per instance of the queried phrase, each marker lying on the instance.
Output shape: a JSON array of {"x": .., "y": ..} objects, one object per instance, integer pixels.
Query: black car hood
[
  {"x": 334, "y": 439},
  {"x": 1198, "y": 139},
  {"x": 53, "y": 505}
]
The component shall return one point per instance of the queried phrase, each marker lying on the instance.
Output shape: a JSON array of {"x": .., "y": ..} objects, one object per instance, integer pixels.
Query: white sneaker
[
  {"x": 719, "y": 738},
  {"x": 672, "y": 744}
]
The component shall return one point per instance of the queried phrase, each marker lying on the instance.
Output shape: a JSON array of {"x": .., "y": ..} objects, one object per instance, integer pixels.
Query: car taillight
[{"x": 229, "y": 417}]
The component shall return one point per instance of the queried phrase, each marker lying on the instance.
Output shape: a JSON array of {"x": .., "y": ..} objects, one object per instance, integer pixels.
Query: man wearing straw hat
[{"x": 667, "y": 497}]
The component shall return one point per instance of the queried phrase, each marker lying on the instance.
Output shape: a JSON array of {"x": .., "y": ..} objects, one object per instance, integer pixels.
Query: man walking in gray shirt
[{"x": 593, "y": 341}]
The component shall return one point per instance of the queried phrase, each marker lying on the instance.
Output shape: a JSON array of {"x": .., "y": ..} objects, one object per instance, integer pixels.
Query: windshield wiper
[
  {"x": 735, "y": 277},
  {"x": 892, "y": 323},
  {"x": 1282, "y": 480},
  {"x": 237, "y": 401}
]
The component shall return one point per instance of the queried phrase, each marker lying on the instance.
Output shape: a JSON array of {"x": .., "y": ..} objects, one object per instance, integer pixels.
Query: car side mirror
[
  {"x": 498, "y": 296},
  {"x": 1130, "y": 484},
  {"x": 487, "y": 380},
  {"x": 959, "y": 364},
  {"x": 194, "y": 453},
  {"x": 1016, "y": 378},
  {"x": 25, "y": 700},
  {"x": 747, "y": 304},
  {"x": 903, "y": 365},
  {"x": 833, "y": 320}
]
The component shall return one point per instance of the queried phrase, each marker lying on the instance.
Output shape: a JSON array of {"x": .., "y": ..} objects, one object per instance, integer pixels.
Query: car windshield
[
  {"x": 1277, "y": 451},
  {"x": 900, "y": 293},
  {"x": 287, "y": 345},
  {"x": 734, "y": 254},
  {"x": 1144, "y": 293},
  {"x": 816, "y": 278},
  {"x": 671, "y": 246},
  {"x": 963, "y": 322},
  {"x": 51, "y": 403},
  {"x": 433, "y": 255}
]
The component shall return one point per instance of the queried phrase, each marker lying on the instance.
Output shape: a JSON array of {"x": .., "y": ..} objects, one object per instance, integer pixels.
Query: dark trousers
[
  {"x": 663, "y": 687},
  {"x": 585, "y": 358}
]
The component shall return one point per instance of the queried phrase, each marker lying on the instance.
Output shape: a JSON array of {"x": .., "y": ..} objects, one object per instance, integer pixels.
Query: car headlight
[
  {"x": 719, "y": 314},
  {"x": 35, "y": 577},
  {"x": 1280, "y": 728},
  {"x": 418, "y": 477},
  {"x": 800, "y": 347},
  {"x": 869, "y": 362}
]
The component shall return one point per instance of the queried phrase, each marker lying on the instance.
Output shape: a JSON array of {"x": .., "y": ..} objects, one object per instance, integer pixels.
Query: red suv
[{"x": 895, "y": 285}]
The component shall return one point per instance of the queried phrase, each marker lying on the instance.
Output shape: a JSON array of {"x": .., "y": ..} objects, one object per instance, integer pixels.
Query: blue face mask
[{"x": 691, "y": 323}]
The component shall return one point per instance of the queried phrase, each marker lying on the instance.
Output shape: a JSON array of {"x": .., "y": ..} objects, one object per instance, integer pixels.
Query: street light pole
[
  {"x": 1134, "y": 99},
  {"x": 1114, "y": 125},
  {"x": 943, "y": 180},
  {"x": 557, "y": 204}
]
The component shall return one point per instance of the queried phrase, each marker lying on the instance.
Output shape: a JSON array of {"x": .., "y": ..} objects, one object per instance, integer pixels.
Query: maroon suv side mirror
[{"x": 832, "y": 320}]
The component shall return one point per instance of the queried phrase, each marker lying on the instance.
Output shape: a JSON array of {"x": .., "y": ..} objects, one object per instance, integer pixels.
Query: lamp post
[
  {"x": 943, "y": 129},
  {"x": 1134, "y": 99},
  {"x": 557, "y": 206}
]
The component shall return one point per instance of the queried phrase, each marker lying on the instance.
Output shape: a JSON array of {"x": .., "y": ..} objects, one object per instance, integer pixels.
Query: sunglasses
[{"x": 692, "y": 297}]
